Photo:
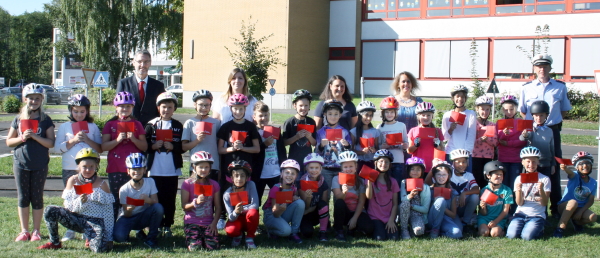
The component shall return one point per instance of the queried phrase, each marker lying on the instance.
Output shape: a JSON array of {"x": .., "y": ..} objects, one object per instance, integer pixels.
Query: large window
[
  {"x": 452, "y": 59},
  {"x": 585, "y": 57}
]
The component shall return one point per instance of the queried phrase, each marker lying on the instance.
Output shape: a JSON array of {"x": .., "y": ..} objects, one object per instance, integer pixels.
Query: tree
[
  {"x": 106, "y": 32},
  {"x": 540, "y": 43},
  {"x": 254, "y": 59}
]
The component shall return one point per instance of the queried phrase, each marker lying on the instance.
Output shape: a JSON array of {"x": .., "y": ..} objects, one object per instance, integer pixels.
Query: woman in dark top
[{"x": 337, "y": 89}]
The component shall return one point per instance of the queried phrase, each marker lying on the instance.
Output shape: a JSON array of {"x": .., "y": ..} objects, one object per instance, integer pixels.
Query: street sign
[
  {"x": 88, "y": 74},
  {"x": 101, "y": 79},
  {"x": 272, "y": 92},
  {"x": 272, "y": 82},
  {"x": 493, "y": 87}
]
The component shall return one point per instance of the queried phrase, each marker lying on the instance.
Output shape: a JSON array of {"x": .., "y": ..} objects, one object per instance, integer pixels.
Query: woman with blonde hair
[{"x": 238, "y": 83}]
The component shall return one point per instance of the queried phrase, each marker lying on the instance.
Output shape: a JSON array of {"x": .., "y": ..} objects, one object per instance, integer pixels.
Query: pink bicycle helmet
[
  {"x": 424, "y": 107},
  {"x": 290, "y": 163},
  {"x": 509, "y": 99},
  {"x": 415, "y": 161},
  {"x": 201, "y": 156},
  {"x": 313, "y": 157},
  {"x": 238, "y": 99},
  {"x": 123, "y": 98}
]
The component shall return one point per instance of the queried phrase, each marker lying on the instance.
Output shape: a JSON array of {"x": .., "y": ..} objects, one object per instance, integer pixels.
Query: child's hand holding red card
[
  {"x": 238, "y": 136},
  {"x": 346, "y": 179},
  {"x": 333, "y": 134},
  {"x": 524, "y": 125},
  {"x": 165, "y": 135},
  {"x": 505, "y": 124},
  {"x": 284, "y": 197},
  {"x": 272, "y": 131},
  {"x": 206, "y": 190},
  {"x": 414, "y": 183},
  {"x": 456, "y": 117},
  {"x": 125, "y": 127},
  {"x": 367, "y": 142},
  {"x": 393, "y": 139},
  {"x": 566, "y": 162},
  {"x": 80, "y": 126},
  {"x": 238, "y": 197},
  {"x": 529, "y": 178},
  {"x": 490, "y": 131},
  {"x": 309, "y": 185},
  {"x": 135, "y": 202},
  {"x": 368, "y": 173},
  {"x": 27, "y": 124},
  {"x": 489, "y": 197},
  {"x": 83, "y": 189},
  {"x": 309, "y": 128},
  {"x": 426, "y": 133},
  {"x": 203, "y": 127},
  {"x": 442, "y": 192}
]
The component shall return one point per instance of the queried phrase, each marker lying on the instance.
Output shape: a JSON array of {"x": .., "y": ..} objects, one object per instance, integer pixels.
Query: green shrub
[
  {"x": 585, "y": 105},
  {"x": 179, "y": 99},
  {"x": 108, "y": 95},
  {"x": 11, "y": 104},
  {"x": 100, "y": 122}
]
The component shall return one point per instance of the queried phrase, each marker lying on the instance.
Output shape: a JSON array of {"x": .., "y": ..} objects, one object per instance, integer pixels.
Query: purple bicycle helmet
[
  {"x": 415, "y": 161},
  {"x": 238, "y": 99},
  {"x": 509, "y": 99},
  {"x": 123, "y": 98}
]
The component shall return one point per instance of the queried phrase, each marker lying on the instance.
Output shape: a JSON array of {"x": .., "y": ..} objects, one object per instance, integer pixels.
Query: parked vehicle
[
  {"x": 54, "y": 96},
  {"x": 175, "y": 88},
  {"x": 11, "y": 91}
]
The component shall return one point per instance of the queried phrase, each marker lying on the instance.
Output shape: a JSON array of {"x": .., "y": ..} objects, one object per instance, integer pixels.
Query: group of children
[{"x": 374, "y": 186}]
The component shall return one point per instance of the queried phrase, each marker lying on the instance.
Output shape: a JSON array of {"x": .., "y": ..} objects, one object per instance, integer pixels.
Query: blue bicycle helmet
[
  {"x": 383, "y": 153},
  {"x": 135, "y": 160}
]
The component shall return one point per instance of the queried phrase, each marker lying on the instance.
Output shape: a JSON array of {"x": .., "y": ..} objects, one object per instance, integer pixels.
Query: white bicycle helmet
[
  {"x": 459, "y": 153},
  {"x": 166, "y": 96},
  {"x": 135, "y": 160},
  {"x": 290, "y": 163},
  {"x": 201, "y": 156},
  {"x": 459, "y": 88},
  {"x": 366, "y": 106},
  {"x": 347, "y": 156},
  {"x": 313, "y": 157},
  {"x": 202, "y": 94},
  {"x": 530, "y": 151},
  {"x": 32, "y": 88},
  {"x": 424, "y": 107},
  {"x": 484, "y": 100}
]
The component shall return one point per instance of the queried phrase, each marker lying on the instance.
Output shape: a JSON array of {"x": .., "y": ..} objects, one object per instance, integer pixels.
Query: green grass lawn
[
  {"x": 571, "y": 139},
  {"x": 584, "y": 125}
]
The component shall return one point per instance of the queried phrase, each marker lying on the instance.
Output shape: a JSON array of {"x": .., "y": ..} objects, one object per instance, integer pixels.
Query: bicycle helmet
[
  {"x": 32, "y": 88},
  {"x": 484, "y": 100},
  {"x": 582, "y": 155},
  {"x": 240, "y": 164},
  {"x": 389, "y": 103},
  {"x": 123, "y": 98},
  {"x": 437, "y": 164},
  {"x": 347, "y": 156},
  {"x": 366, "y": 106},
  {"x": 415, "y": 161},
  {"x": 78, "y": 100},
  {"x": 540, "y": 106},
  {"x": 87, "y": 153},
  {"x": 238, "y": 99},
  {"x": 458, "y": 88},
  {"x": 383, "y": 153},
  {"x": 530, "y": 151},
  {"x": 201, "y": 156},
  {"x": 424, "y": 107},
  {"x": 202, "y": 94},
  {"x": 165, "y": 96},
  {"x": 313, "y": 157},
  {"x": 135, "y": 160},
  {"x": 509, "y": 99},
  {"x": 493, "y": 166},
  {"x": 301, "y": 94},
  {"x": 459, "y": 153},
  {"x": 290, "y": 163},
  {"x": 332, "y": 103}
]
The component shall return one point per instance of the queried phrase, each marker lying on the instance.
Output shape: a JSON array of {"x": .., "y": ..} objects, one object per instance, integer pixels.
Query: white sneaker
[
  {"x": 221, "y": 224},
  {"x": 69, "y": 235}
]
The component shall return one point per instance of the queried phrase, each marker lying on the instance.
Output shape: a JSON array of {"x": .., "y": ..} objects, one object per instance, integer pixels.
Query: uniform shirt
[
  {"x": 554, "y": 93},
  {"x": 579, "y": 190},
  {"x": 531, "y": 197}
]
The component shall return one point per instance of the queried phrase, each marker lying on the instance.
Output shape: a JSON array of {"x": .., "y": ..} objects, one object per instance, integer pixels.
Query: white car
[{"x": 175, "y": 88}]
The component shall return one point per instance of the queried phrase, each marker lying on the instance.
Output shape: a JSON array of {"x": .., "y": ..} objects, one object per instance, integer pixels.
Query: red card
[
  {"x": 489, "y": 197},
  {"x": 490, "y": 131},
  {"x": 333, "y": 134},
  {"x": 284, "y": 197},
  {"x": 309, "y": 185},
  {"x": 529, "y": 178},
  {"x": 199, "y": 189},
  {"x": 237, "y": 135},
  {"x": 272, "y": 131},
  {"x": 135, "y": 202},
  {"x": 238, "y": 197},
  {"x": 438, "y": 154},
  {"x": 426, "y": 133},
  {"x": 442, "y": 192},
  {"x": 456, "y": 117},
  {"x": 564, "y": 161},
  {"x": 125, "y": 127},
  {"x": 83, "y": 189},
  {"x": 346, "y": 179},
  {"x": 367, "y": 142},
  {"x": 203, "y": 127},
  {"x": 368, "y": 173},
  {"x": 414, "y": 183},
  {"x": 165, "y": 135},
  {"x": 524, "y": 125},
  {"x": 26, "y": 124},
  {"x": 309, "y": 128},
  {"x": 393, "y": 139},
  {"x": 505, "y": 123},
  {"x": 80, "y": 126}
]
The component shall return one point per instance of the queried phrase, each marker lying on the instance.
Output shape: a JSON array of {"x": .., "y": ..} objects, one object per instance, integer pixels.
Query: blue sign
[
  {"x": 101, "y": 79},
  {"x": 272, "y": 92}
]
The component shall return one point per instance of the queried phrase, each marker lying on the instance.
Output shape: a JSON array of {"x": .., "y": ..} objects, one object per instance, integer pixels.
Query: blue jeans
[
  {"x": 151, "y": 217},
  {"x": 466, "y": 212},
  {"x": 380, "y": 233},
  {"x": 289, "y": 221},
  {"x": 527, "y": 228},
  {"x": 437, "y": 220},
  {"x": 397, "y": 172}
]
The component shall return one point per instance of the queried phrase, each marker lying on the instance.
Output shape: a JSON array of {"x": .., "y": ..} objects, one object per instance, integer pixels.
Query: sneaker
[
  {"x": 193, "y": 247},
  {"x": 69, "y": 235},
  {"x": 578, "y": 228},
  {"x": 167, "y": 232},
  {"x": 141, "y": 235},
  {"x": 295, "y": 238},
  {"x": 323, "y": 236},
  {"x": 340, "y": 236},
  {"x": 235, "y": 242},
  {"x": 418, "y": 231},
  {"x": 50, "y": 245},
  {"x": 435, "y": 233},
  {"x": 250, "y": 243},
  {"x": 151, "y": 243},
  {"x": 221, "y": 224},
  {"x": 558, "y": 233},
  {"x": 23, "y": 236},
  {"x": 405, "y": 234},
  {"x": 35, "y": 236}
]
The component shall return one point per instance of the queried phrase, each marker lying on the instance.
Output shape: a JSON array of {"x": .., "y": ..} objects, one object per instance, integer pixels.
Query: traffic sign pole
[
  {"x": 272, "y": 93},
  {"x": 493, "y": 88}
]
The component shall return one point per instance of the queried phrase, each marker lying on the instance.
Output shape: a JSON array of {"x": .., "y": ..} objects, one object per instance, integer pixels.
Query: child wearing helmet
[
  {"x": 443, "y": 214},
  {"x": 383, "y": 198},
  {"x": 133, "y": 216},
  {"x": 531, "y": 198},
  {"x": 242, "y": 217},
  {"x": 485, "y": 146},
  {"x": 578, "y": 196},
  {"x": 282, "y": 219},
  {"x": 301, "y": 142},
  {"x": 316, "y": 211},
  {"x": 423, "y": 143},
  {"x": 415, "y": 204},
  {"x": 364, "y": 135},
  {"x": 202, "y": 211},
  {"x": 350, "y": 198},
  {"x": 509, "y": 144},
  {"x": 193, "y": 139},
  {"x": 31, "y": 158},
  {"x": 120, "y": 143},
  {"x": 87, "y": 213},
  {"x": 460, "y": 136},
  {"x": 389, "y": 126},
  {"x": 492, "y": 218}
]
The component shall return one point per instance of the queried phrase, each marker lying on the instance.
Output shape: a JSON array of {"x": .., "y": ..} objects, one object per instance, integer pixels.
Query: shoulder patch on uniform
[{"x": 526, "y": 83}]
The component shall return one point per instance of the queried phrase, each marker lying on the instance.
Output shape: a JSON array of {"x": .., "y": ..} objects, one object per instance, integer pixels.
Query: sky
[{"x": 19, "y": 7}]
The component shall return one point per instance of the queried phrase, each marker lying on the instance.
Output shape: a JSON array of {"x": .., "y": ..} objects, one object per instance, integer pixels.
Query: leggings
[
  {"x": 167, "y": 195},
  {"x": 91, "y": 227},
  {"x": 198, "y": 235},
  {"x": 30, "y": 186},
  {"x": 416, "y": 218},
  {"x": 342, "y": 215},
  {"x": 115, "y": 181},
  {"x": 319, "y": 216}
]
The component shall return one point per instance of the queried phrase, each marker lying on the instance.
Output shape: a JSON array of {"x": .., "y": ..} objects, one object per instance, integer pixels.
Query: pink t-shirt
[
  {"x": 381, "y": 204},
  {"x": 204, "y": 214},
  {"x": 484, "y": 149},
  {"x": 510, "y": 153},
  {"x": 425, "y": 149},
  {"x": 116, "y": 157},
  {"x": 273, "y": 194}
]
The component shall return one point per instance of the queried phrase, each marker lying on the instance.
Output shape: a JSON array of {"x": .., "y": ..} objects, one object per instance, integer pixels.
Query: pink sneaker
[
  {"x": 23, "y": 236},
  {"x": 35, "y": 236}
]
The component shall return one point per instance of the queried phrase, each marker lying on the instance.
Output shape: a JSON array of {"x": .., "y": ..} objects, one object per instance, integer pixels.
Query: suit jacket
[{"x": 146, "y": 110}]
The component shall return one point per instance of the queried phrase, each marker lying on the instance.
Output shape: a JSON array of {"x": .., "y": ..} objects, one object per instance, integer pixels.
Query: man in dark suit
[{"x": 144, "y": 88}]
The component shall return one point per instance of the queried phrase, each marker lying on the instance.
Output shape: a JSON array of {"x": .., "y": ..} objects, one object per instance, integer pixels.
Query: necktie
[{"x": 141, "y": 90}]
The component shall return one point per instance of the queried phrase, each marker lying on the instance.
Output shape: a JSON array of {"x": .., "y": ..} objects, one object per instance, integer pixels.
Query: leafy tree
[{"x": 254, "y": 59}]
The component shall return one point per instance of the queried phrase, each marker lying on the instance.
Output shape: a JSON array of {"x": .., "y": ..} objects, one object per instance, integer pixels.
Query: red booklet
[
  {"x": 442, "y": 192},
  {"x": 309, "y": 128},
  {"x": 346, "y": 179},
  {"x": 203, "y": 127},
  {"x": 272, "y": 131},
  {"x": 333, "y": 134},
  {"x": 564, "y": 161},
  {"x": 529, "y": 178},
  {"x": 368, "y": 173},
  {"x": 80, "y": 126},
  {"x": 27, "y": 124},
  {"x": 125, "y": 127},
  {"x": 426, "y": 133},
  {"x": 237, "y": 135},
  {"x": 238, "y": 197},
  {"x": 438, "y": 154},
  {"x": 490, "y": 131},
  {"x": 135, "y": 202},
  {"x": 199, "y": 189},
  {"x": 284, "y": 197},
  {"x": 165, "y": 135},
  {"x": 456, "y": 117},
  {"x": 309, "y": 185},
  {"x": 524, "y": 125},
  {"x": 367, "y": 142},
  {"x": 505, "y": 123},
  {"x": 414, "y": 183},
  {"x": 489, "y": 197},
  {"x": 83, "y": 189},
  {"x": 393, "y": 139}
]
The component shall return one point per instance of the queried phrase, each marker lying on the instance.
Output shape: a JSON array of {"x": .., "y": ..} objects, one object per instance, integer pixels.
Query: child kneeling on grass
[
  {"x": 383, "y": 198},
  {"x": 316, "y": 211},
  {"x": 492, "y": 218},
  {"x": 415, "y": 204},
  {"x": 443, "y": 215}
]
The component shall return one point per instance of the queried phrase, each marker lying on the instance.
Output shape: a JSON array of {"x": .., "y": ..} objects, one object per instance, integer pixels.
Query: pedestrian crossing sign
[{"x": 101, "y": 79}]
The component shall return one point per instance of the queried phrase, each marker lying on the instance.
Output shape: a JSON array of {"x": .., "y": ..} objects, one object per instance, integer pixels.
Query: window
[
  {"x": 378, "y": 59},
  {"x": 437, "y": 59},
  {"x": 585, "y": 56},
  {"x": 452, "y": 59},
  {"x": 407, "y": 58},
  {"x": 341, "y": 53}
]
